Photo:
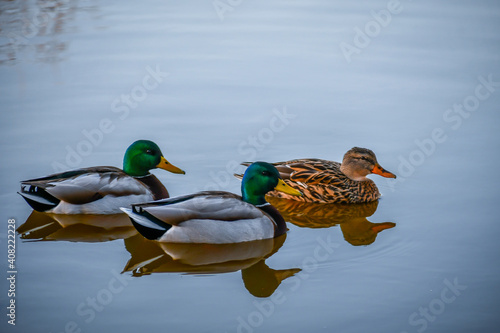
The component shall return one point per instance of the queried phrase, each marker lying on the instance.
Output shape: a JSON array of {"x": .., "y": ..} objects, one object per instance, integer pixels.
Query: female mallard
[
  {"x": 216, "y": 217},
  {"x": 101, "y": 190},
  {"x": 332, "y": 182}
]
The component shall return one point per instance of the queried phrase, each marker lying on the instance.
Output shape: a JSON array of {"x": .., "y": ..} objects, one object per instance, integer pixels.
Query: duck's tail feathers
[
  {"x": 38, "y": 198},
  {"x": 147, "y": 225},
  {"x": 240, "y": 175}
]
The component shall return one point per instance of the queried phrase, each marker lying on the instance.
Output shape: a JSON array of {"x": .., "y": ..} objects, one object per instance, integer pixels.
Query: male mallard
[
  {"x": 216, "y": 217},
  {"x": 325, "y": 181},
  {"x": 101, "y": 190}
]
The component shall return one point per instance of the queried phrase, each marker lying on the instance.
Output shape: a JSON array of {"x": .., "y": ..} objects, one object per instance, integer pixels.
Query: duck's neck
[
  {"x": 258, "y": 199},
  {"x": 134, "y": 171},
  {"x": 280, "y": 228},
  {"x": 155, "y": 186},
  {"x": 252, "y": 197},
  {"x": 352, "y": 174},
  {"x": 254, "y": 200}
]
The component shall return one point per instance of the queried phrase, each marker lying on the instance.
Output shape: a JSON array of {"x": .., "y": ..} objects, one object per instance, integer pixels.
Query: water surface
[{"x": 81, "y": 80}]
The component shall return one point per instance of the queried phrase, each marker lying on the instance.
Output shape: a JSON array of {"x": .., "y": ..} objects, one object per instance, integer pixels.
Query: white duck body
[
  {"x": 97, "y": 190},
  {"x": 206, "y": 217}
]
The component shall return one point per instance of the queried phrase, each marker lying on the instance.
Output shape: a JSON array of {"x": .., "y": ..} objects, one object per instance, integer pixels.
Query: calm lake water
[{"x": 215, "y": 83}]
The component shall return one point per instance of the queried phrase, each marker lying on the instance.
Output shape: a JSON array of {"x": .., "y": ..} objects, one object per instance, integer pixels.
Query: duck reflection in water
[
  {"x": 76, "y": 228},
  {"x": 351, "y": 218},
  {"x": 260, "y": 280},
  {"x": 157, "y": 257}
]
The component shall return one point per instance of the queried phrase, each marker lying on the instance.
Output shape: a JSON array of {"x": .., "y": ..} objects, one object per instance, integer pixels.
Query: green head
[
  {"x": 260, "y": 178},
  {"x": 144, "y": 155}
]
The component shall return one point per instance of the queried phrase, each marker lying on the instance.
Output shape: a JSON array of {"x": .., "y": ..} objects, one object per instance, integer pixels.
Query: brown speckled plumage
[{"x": 323, "y": 181}]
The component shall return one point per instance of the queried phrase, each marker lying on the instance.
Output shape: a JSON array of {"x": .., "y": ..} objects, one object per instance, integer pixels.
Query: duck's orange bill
[
  {"x": 165, "y": 165},
  {"x": 377, "y": 169}
]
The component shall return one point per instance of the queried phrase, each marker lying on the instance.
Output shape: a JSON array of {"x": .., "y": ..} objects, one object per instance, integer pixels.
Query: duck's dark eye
[
  {"x": 149, "y": 152},
  {"x": 266, "y": 173}
]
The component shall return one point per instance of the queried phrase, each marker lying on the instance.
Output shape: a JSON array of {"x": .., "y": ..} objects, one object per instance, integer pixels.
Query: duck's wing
[
  {"x": 306, "y": 170},
  {"x": 153, "y": 219},
  {"x": 220, "y": 206},
  {"x": 82, "y": 186}
]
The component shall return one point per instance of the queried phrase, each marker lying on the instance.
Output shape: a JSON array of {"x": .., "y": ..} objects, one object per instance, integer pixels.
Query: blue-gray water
[{"x": 415, "y": 81}]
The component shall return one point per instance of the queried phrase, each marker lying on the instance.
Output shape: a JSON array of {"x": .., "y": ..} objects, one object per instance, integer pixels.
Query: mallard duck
[
  {"x": 216, "y": 217},
  {"x": 101, "y": 190},
  {"x": 325, "y": 181}
]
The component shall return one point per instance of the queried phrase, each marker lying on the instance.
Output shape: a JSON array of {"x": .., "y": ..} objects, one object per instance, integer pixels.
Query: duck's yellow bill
[
  {"x": 283, "y": 187},
  {"x": 377, "y": 169},
  {"x": 165, "y": 165}
]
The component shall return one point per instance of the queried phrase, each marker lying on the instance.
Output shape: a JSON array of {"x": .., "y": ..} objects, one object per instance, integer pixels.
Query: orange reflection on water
[{"x": 352, "y": 218}]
